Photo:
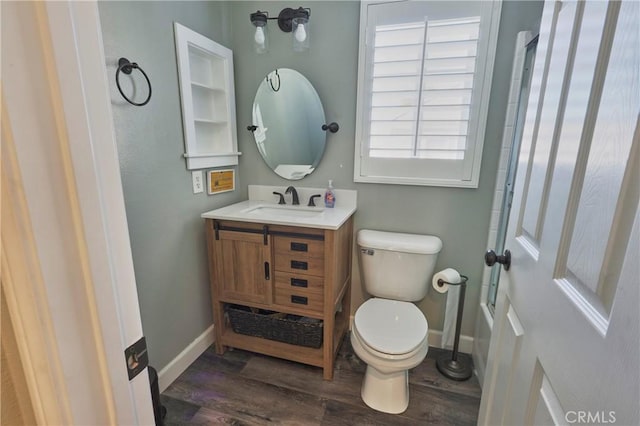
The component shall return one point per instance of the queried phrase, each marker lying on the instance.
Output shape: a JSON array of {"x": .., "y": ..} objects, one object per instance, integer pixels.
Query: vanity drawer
[
  {"x": 299, "y": 291},
  {"x": 299, "y": 282},
  {"x": 300, "y": 265},
  {"x": 299, "y": 247}
]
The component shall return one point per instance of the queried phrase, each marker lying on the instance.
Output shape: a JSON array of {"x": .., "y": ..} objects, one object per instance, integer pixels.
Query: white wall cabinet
[{"x": 205, "y": 71}]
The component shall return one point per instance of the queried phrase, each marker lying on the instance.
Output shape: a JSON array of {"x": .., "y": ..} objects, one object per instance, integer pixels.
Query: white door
[
  {"x": 67, "y": 270},
  {"x": 565, "y": 345}
]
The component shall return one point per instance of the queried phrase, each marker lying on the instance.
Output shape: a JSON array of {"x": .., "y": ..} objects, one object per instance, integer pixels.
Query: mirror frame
[{"x": 297, "y": 139}]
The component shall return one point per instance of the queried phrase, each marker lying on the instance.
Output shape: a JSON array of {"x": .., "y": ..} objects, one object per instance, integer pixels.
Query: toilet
[{"x": 389, "y": 332}]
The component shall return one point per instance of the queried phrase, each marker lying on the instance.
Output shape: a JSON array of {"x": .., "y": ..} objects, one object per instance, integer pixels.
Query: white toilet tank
[{"x": 397, "y": 266}]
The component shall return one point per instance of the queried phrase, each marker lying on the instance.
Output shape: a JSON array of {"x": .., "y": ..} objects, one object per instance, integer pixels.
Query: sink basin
[{"x": 285, "y": 212}]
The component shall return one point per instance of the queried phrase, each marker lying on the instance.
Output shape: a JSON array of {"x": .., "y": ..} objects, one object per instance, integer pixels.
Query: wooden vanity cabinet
[{"x": 293, "y": 270}]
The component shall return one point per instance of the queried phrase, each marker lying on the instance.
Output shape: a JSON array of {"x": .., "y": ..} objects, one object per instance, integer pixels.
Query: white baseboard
[
  {"x": 168, "y": 374},
  {"x": 435, "y": 337},
  {"x": 465, "y": 345},
  {"x": 484, "y": 325}
]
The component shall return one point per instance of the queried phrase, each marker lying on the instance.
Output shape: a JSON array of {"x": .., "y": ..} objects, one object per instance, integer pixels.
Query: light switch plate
[{"x": 198, "y": 184}]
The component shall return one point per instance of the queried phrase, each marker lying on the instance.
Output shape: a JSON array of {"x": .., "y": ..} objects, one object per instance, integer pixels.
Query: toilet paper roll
[
  {"x": 449, "y": 275},
  {"x": 451, "y": 308}
]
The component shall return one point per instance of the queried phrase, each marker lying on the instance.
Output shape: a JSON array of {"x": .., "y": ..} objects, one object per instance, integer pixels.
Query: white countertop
[{"x": 262, "y": 207}]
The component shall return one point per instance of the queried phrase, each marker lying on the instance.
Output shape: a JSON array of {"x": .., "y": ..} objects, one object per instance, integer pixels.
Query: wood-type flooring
[{"x": 243, "y": 388}]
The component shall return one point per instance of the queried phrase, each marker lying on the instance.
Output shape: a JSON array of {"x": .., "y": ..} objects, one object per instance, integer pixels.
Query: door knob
[{"x": 491, "y": 258}]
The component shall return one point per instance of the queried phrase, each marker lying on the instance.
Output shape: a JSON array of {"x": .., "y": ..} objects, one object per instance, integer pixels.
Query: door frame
[
  {"x": 484, "y": 318},
  {"x": 81, "y": 276}
]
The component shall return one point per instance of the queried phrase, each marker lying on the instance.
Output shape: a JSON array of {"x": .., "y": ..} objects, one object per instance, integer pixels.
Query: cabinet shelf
[
  {"x": 285, "y": 310},
  {"x": 211, "y": 154},
  {"x": 208, "y": 121},
  {"x": 205, "y": 70},
  {"x": 301, "y": 354},
  {"x": 199, "y": 85},
  {"x": 208, "y": 160}
]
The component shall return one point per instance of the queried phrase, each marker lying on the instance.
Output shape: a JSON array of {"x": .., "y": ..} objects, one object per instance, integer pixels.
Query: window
[{"x": 424, "y": 79}]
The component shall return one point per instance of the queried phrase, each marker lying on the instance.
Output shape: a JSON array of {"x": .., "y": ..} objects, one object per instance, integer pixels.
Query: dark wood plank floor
[{"x": 243, "y": 388}]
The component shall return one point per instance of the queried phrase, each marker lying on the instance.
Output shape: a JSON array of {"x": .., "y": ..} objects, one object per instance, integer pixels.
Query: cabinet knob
[
  {"x": 299, "y": 300},
  {"x": 296, "y": 264},
  {"x": 299, "y": 247},
  {"x": 298, "y": 282}
]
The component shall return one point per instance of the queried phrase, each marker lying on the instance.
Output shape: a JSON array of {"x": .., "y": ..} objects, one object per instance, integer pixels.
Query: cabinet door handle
[
  {"x": 300, "y": 300},
  {"x": 299, "y": 247},
  {"x": 298, "y": 282},
  {"x": 296, "y": 264},
  {"x": 267, "y": 276}
]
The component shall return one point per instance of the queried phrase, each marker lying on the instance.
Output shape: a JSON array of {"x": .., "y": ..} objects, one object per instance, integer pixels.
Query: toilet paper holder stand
[{"x": 451, "y": 366}]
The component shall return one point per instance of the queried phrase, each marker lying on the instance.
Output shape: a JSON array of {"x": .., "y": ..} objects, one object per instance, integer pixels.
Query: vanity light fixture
[
  {"x": 295, "y": 21},
  {"x": 300, "y": 24},
  {"x": 259, "y": 20}
]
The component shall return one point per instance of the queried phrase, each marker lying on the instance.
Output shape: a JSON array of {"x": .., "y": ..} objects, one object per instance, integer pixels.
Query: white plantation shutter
[{"x": 422, "y": 90}]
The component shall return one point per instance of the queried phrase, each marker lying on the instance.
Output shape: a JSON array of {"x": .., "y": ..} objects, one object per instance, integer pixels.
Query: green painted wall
[
  {"x": 167, "y": 234},
  {"x": 167, "y": 237},
  {"x": 460, "y": 217}
]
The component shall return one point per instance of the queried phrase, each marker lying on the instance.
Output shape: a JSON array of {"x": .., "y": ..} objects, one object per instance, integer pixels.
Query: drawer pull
[
  {"x": 296, "y": 264},
  {"x": 299, "y": 247},
  {"x": 300, "y": 300},
  {"x": 297, "y": 282}
]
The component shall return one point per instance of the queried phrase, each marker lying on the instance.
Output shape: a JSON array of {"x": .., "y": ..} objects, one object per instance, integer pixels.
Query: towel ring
[
  {"x": 127, "y": 67},
  {"x": 270, "y": 80}
]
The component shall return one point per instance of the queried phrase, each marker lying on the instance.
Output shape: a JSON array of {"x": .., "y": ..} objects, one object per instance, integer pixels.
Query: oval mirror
[{"x": 287, "y": 122}]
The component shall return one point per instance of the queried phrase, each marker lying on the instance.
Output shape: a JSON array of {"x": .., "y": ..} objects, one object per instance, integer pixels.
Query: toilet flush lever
[{"x": 367, "y": 251}]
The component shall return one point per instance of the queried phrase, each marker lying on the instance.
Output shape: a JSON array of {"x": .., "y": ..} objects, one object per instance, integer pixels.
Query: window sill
[{"x": 449, "y": 183}]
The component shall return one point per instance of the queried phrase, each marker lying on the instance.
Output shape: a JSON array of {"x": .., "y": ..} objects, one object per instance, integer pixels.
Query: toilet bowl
[
  {"x": 389, "y": 332},
  {"x": 391, "y": 337}
]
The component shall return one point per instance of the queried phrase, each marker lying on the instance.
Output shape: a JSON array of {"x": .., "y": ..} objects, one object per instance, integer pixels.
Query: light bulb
[
  {"x": 259, "y": 37},
  {"x": 301, "y": 33}
]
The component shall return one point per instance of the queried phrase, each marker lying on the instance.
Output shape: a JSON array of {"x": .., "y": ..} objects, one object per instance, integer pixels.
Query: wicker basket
[{"x": 292, "y": 329}]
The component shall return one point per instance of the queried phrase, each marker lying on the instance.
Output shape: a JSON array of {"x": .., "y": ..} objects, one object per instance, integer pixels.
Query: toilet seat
[
  {"x": 384, "y": 357},
  {"x": 391, "y": 327}
]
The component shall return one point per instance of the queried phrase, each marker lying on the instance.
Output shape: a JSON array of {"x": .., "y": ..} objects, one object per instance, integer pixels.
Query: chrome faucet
[{"x": 294, "y": 195}]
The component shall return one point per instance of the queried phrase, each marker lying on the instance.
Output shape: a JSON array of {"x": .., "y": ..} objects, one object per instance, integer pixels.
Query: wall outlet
[{"x": 198, "y": 184}]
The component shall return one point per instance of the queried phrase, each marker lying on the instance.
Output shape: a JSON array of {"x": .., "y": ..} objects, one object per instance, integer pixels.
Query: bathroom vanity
[{"x": 284, "y": 259}]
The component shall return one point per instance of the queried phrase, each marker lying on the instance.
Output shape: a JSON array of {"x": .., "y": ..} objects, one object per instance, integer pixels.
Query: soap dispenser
[{"x": 329, "y": 196}]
